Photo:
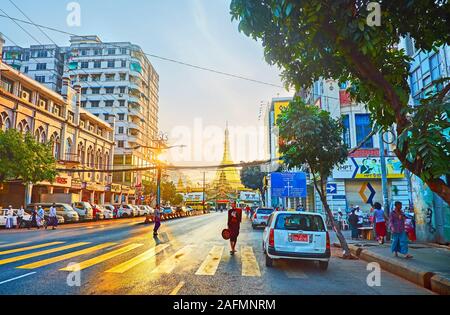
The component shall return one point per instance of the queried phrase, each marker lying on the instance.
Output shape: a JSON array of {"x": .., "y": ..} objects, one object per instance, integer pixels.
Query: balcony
[
  {"x": 134, "y": 126},
  {"x": 70, "y": 158}
]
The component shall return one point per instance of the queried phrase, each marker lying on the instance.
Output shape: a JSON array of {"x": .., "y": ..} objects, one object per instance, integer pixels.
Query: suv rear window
[
  {"x": 303, "y": 222},
  {"x": 264, "y": 211}
]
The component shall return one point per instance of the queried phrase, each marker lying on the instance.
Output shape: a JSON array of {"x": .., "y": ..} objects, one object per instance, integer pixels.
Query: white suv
[
  {"x": 261, "y": 217},
  {"x": 296, "y": 235}
]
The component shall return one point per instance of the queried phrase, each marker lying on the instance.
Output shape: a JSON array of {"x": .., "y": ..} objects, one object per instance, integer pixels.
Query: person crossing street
[{"x": 53, "y": 220}]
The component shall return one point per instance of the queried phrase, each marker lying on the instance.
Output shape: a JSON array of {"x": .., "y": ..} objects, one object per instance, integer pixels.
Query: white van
[{"x": 297, "y": 235}]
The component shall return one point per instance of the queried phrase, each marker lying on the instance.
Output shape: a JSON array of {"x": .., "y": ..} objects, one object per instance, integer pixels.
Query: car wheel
[
  {"x": 323, "y": 265},
  {"x": 269, "y": 261},
  {"x": 125, "y": 215},
  {"x": 254, "y": 226}
]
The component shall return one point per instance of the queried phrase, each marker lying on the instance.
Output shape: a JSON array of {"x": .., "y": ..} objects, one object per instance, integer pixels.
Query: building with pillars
[
  {"x": 80, "y": 140},
  {"x": 116, "y": 79}
]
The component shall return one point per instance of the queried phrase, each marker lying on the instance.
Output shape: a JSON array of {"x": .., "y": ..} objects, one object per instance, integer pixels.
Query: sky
[{"x": 194, "y": 105}]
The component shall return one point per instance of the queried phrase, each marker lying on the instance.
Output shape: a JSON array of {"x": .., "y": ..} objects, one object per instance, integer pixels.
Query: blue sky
[{"x": 194, "y": 31}]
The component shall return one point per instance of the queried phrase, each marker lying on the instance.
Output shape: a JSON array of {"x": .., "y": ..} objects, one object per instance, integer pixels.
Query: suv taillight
[
  {"x": 254, "y": 216},
  {"x": 272, "y": 238},
  {"x": 328, "y": 241}
]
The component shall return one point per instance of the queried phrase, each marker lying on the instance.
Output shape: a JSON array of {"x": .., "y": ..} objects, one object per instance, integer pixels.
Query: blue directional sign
[
  {"x": 331, "y": 189},
  {"x": 291, "y": 185}
]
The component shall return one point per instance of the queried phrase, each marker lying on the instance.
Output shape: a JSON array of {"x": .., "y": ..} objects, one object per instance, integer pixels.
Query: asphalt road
[{"x": 188, "y": 258}]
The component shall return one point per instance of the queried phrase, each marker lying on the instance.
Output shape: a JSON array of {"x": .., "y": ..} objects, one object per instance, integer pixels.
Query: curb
[{"x": 426, "y": 279}]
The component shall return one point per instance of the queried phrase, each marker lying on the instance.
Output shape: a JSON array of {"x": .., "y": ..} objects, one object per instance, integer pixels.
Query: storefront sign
[
  {"x": 76, "y": 183},
  {"x": 249, "y": 196},
  {"x": 115, "y": 188},
  {"x": 60, "y": 181},
  {"x": 366, "y": 168}
]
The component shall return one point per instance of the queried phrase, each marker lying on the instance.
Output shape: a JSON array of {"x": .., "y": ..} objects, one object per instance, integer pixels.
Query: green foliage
[
  {"x": 22, "y": 157},
  {"x": 177, "y": 200},
  {"x": 312, "y": 39},
  {"x": 311, "y": 137},
  {"x": 252, "y": 177}
]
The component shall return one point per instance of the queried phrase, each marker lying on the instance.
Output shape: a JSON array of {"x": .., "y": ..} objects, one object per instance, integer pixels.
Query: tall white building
[{"x": 119, "y": 85}]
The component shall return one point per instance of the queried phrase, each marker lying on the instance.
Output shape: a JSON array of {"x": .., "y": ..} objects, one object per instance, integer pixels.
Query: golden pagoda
[{"x": 227, "y": 182}]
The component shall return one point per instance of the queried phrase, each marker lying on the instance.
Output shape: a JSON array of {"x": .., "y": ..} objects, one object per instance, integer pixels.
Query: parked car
[
  {"x": 150, "y": 210},
  {"x": 3, "y": 217},
  {"x": 113, "y": 209},
  {"x": 84, "y": 210},
  {"x": 126, "y": 211},
  {"x": 296, "y": 235},
  {"x": 168, "y": 210},
  {"x": 261, "y": 217},
  {"x": 62, "y": 209},
  {"x": 107, "y": 213},
  {"x": 142, "y": 210}
]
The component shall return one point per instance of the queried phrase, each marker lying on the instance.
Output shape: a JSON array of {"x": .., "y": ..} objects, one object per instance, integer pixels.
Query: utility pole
[
  {"x": 204, "y": 190},
  {"x": 384, "y": 182}
]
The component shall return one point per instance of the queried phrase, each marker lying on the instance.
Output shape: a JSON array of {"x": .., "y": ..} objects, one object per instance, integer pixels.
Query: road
[{"x": 188, "y": 258}]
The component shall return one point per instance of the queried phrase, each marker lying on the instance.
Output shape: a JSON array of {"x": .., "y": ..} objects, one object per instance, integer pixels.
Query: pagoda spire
[{"x": 226, "y": 151}]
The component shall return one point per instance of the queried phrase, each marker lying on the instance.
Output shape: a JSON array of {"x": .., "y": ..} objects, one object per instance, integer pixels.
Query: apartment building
[{"x": 118, "y": 83}]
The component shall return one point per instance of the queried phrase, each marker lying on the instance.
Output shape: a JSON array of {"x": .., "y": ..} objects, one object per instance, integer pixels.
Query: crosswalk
[{"x": 163, "y": 258}]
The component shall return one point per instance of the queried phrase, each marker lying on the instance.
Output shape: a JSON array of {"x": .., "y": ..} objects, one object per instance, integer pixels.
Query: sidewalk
[{"x": 430, "y": 266}]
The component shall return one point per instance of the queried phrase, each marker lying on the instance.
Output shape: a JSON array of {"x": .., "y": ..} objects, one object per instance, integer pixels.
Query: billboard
[
  {"x": 195, "y": 196},
  {"x": 292, "y": 185},
  {"x": 249, "y": 196},
  {"x": 367, "y": 168}
]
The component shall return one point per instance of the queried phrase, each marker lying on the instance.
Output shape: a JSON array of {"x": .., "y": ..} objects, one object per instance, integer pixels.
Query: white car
[
  {"x": 261, "y": 217},
  {"x": 3, "y": 217},
  {"x": 107, "y": 213},
  {"x": 297, "y": 235},
  {"x": 126, "y": 211},
  {"x": 142, "y": 210}
]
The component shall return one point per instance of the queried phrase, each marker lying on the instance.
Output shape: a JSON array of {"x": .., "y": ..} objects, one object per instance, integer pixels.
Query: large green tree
[
  {"x": 312, "y": 39},
  {"x": 23, "y": 158},
  {"x": 252, "y": 177},
  {"x": 312, "y": 138}
]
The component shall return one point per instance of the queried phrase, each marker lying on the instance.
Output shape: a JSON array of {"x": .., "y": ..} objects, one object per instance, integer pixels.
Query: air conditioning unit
[
  {"x": 82, "y": 124},
  {"x": 42, "y": 103},
  {"x": 56, "y": 111},
  {"x": 25, "y": 95}
]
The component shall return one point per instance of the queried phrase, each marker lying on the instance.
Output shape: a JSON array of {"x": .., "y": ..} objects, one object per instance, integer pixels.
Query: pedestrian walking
[
  {"x": 53, "y": 220},
  {"x": 20, "y": 215},
  {"x": 399, "y": 237},
  {"x": 353, "y": 222},
  {"x": 360, "y": 223},
  {"x": 234, "y": 225},
  {"x": 34, "y": 218},
  {"x": 157, "y": 221},
  {"x": 9, "y": 218},
  {"x": 40, "y": 217},
  {"x": 247, "y": 210},
  {"x": 379, "y": 218}
]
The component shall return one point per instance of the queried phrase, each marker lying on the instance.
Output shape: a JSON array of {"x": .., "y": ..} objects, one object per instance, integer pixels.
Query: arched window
[
  {"x": 5, "y": 123},
  {"x": 40, "y": 135},
  {"x": 69, "y": 153},
  {"x": 81, "y": 151},
  {"x": 90, "y": 157},
  {"x": 56, "y": 145},
  {"x": 23, "y": 127}
]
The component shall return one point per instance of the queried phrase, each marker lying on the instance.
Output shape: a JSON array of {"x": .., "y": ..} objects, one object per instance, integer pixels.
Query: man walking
[
  {"x": 52, "y": 217},
  {"x": 20, "y": 214},
  {"x": 157, "y": 221}
]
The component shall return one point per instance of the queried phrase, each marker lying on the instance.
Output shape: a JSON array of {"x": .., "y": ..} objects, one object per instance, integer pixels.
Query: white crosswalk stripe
[{"x": 211, "y": 263}]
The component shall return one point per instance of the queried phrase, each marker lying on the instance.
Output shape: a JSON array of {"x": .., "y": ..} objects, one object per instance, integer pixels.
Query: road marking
[
  {"x": 99, "y": 259},
  {"x": 52, "y": 260},
  {"x": 170, "y": 263},
  {"x": 127, "y": 265},
  {"x": 44, "y": 252},
  {"x": 250, "y": 267},
  {"x": 17, "y": 278},
  {"x": 13, "y": 244},
  {"x": 295, "y": 274},
  {"x": 23, "y": 249},
  {"x": 177, "y": 288},
  {"x": 211, "y": 263}
]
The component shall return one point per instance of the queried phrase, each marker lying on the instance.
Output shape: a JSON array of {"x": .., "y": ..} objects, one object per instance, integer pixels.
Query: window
[
  {"x": 415, "y": 76},
  {"x": 122, "y": 89},
  {"x": 84, "y": 52},
  {"x": 295, "y": 222},
  {"x": 110, "y": 77},
  {"x": 434, "y": 67},
  {"x": 109, "y": 90},
  {"x": 122, "y": 103},
  {"x": 25, "y": 70},
  {"x": 95, "y": 90},
  {"x": 95, "y": 103},
  {"x": 346, "y": 124},
  {"x": 40, "y": 78},
  {"x": 124, "y": 63},
  {"x": 41, "y": 66},
  {"x": 97, "y": 64},
  {"x": 83, "y": 91},
  {"x": 123, "y": 51},
  {"x": 83, "y": 104},
  {"x": 109, "y": 103},
  {"x": 121, "y": 144},
  {"x": 42, "y": 54},
  {"x": 120, "y": 130},
  {"x": 83, "y": 78},
  {"x": 84, "y": 65},
  {"x": 111, "y": 51},
  {"x": 96, "y": 77},
  {"x": 121, "y": 117},
  {"x": 123, "y": 76},
  {"x": 111, "y": 64},
  {"x": 97, "y": 52},
  {"x": 363, "y": 128}
]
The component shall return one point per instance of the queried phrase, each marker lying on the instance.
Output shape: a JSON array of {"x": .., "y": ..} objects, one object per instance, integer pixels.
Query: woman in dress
[
  {"x": 380, "y": 219},
  {"x": 40, "y": 217},
  {"x": 234, "y": 225}
]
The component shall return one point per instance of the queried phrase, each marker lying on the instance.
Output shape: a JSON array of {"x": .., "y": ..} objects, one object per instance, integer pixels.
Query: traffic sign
[{"x": 331, "y": 189}]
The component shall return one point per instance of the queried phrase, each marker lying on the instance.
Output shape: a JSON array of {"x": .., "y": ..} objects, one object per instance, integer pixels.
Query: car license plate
[
  {"x": 266, "y": 217},
  {"x": 302, "y": 238}
]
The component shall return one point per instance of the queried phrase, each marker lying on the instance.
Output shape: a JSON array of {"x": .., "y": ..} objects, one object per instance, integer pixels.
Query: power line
[{"x": 151, "y": 55}]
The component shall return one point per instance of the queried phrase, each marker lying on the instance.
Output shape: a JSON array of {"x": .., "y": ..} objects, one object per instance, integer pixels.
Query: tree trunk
[
  {"x": 336, "y": 227},
  {"x": 263, "y": 196}
]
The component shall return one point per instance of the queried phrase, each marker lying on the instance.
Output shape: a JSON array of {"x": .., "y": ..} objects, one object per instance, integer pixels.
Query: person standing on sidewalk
[
  {"x": 353, "y": 222},
  {"x": 399, "y": 237},
  {"x": 157, "y": 221},
  {"x": 52, "y": 217},
  {"x": 20, "y": 215},
  {"x": 9, "y": 218},
  {"x": 379, "y": 218}
]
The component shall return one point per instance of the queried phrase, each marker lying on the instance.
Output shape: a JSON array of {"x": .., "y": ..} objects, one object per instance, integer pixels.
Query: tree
[
  {"x": 252, "y": 177},
  {"x": 311, "y": 39},
  {"x": 311, "y": 137},
  {"x": 22, "y": 157}
]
